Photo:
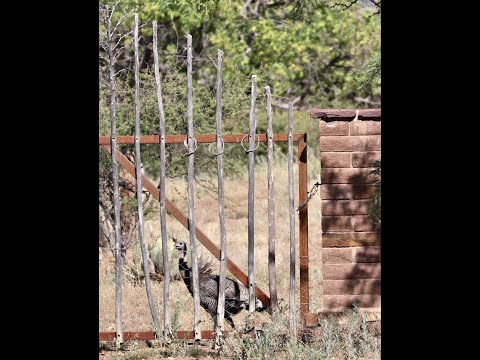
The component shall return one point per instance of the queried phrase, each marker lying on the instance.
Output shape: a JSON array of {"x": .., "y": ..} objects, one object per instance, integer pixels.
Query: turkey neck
[{"x": 185, "y": 272}]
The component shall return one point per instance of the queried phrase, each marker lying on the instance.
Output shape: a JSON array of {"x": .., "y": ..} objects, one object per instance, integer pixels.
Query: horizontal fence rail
[
  {"x": 179, "y": 139},
  {"x": 150, "y": 335}
]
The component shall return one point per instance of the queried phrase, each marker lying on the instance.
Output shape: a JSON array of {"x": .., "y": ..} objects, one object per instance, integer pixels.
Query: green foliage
[
  {"x": 371, "y": 73},
  {"x": 156, "y": 255},
  {"x": 368, "y": 79},
  {"x": 374, "y": 211},
  {"x": 314, "y": 59},
  {"x": 184, "y": 15},
  {"x": 302, "y": 49},
  {"x": 300, "y": 7}
]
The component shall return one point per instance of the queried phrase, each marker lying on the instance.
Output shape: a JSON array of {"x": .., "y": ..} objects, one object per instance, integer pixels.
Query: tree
[
  {"x": 370, "y": 75},
  {"x": 307, "y": 51}
]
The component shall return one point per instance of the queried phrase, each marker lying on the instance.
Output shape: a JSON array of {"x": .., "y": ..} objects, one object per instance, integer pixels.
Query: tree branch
[
  {"x": 122, "y": 37},
  {"x": 119, "y": 72},
  {"x": 104, "y": 58},
  {"x": 104, "y": 227},
  {"x": 345, "y": 7},
  {"x": 112, "y": 11},
  {"x": 377, "y": 3},
  {"x": 120, "y": 21}
]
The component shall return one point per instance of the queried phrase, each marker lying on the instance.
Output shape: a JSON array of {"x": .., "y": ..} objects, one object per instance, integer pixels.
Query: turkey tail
[{"x": 206, "y": 268}]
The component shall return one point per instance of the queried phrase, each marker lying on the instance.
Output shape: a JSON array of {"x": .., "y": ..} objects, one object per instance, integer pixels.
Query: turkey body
[{"x": 236, "y": 295}]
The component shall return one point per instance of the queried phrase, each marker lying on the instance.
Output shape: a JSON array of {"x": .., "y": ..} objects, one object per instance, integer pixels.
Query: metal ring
[
  {"x": 247, "y": 151},
  {"x": 221, "y": 151},
  {"x": 194, "y": 146}
]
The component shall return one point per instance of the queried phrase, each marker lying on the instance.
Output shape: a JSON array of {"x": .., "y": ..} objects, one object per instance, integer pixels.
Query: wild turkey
[{"x": 236, "y": 295}]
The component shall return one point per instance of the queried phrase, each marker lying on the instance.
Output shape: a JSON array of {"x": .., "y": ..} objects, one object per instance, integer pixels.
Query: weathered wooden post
[
  {"x": 116, "y": 195},
  {"x": 220, "y": 327},
  {"x": 191, "y": 146},
  {"x": 251, "y": 207},
  {"x": 167, "y": 331},
  {"x": 272, "y": 282},
  {"x": 138, "y": 167},
  {"x": 292, "y": 219}
]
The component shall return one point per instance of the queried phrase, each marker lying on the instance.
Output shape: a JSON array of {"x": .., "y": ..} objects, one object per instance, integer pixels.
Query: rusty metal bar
[
  {"x": 302, "y": 198},
  {"x": 152, "y": 188},
  {"x": 179, "y": 139},
  {"x": 130, "y": 335},
  {"x": 150, "y": 335}
]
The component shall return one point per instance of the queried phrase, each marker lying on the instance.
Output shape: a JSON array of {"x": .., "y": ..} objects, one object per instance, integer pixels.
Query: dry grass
[
  {"x": 354, "y": 339},
  {"x": 136, "y": 313}
]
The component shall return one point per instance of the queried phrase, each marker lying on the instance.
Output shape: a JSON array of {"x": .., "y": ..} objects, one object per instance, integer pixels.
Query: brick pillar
[{"x": 351, "y": 245}]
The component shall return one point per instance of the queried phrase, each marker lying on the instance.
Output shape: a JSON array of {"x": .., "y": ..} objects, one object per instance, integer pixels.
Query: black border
[{"x": 54, "y": 73}]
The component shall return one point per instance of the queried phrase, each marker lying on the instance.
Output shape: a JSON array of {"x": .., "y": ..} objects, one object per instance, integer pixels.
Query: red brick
[
  {"x": 337, "y": 223},
  {"x": 351, "y": 271},
  {"x": 362, "y": 191},
  {"x": 346, "y": 176},
  {"x": 350, "y": 143},
  {"x": 337, "y": 256},
  {"x": 334, "y": 128},
  {"x": 333, "y": 240},
  {"x": 351, "y": 287},
  {"x": 365, "y": 127},
  {"x": 345, "y": 207},
  {"x": 335, "y": 160},
  {"x": 342, "y": 191},
  {"x": 369, "y": 254},
  {"x": 365, "y": 159},
  {"x": 363, "y": 223},
  {"x": 346, "y": 301}
]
